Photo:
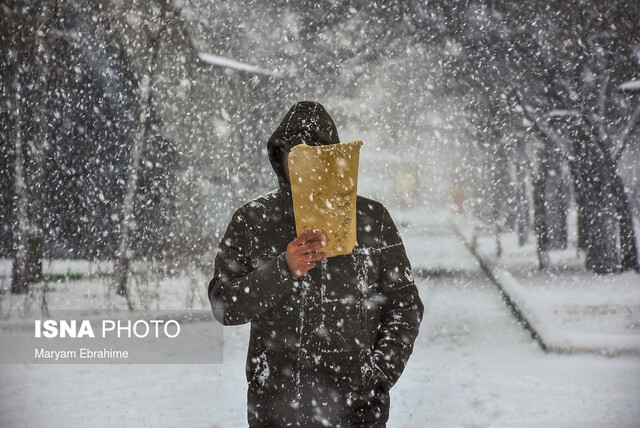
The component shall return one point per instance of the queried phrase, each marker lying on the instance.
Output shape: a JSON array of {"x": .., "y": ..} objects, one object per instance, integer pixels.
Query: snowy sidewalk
[
  {"x": 472, "y": 365},
  {"x": 572, "y": 310},
  {"x": 432, "y": 246}
]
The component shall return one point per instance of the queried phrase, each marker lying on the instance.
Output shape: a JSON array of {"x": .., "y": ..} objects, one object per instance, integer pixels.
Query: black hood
[{"x": 306, "y": 122}]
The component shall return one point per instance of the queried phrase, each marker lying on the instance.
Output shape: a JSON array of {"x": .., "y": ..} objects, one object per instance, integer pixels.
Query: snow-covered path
[{"x": 472, "y": 366}]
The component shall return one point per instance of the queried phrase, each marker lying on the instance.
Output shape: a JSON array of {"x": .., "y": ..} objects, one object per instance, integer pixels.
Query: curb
[
  {"x": 509, "y": 301},
  {"x": 498, "y": 275}
]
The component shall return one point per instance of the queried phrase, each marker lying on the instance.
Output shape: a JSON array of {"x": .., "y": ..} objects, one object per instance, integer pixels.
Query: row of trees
[
  {"x": 102, "y": 140},
  {"x": 547, "y": 91},
  {"x": 120, "y": 141},
  {"x": 558, "y": 72},
  {"x": 71, "y": 97}
]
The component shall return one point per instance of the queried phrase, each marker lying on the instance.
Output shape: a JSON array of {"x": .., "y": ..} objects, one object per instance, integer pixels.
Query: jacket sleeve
[
  {"x": 401, "y": 311},
  {"x": 239, "y": 293}
]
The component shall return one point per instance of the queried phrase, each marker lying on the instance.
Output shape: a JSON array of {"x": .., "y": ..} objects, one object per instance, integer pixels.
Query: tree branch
[{"x": 544, "y": 129}]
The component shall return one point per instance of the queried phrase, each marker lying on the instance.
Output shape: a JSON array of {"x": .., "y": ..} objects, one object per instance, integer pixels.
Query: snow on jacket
[{"x": 324, "y": 349}]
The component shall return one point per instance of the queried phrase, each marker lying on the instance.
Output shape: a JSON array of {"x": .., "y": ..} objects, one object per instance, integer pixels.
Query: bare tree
[
  {"x": 154, "y": 29},
  {"x": 579, "y": 77},
  {"x": 570, "y": 67},
  {"x": 31, "y": 61}
]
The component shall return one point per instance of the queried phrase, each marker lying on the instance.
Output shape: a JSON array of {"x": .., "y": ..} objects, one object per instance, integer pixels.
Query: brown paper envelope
[{"x": 324, "y": 182}]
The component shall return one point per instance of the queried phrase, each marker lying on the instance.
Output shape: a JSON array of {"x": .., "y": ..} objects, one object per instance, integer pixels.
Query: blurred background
[
  {"x": 131, "y": 130},
  {"x": 503, "y": 136}
]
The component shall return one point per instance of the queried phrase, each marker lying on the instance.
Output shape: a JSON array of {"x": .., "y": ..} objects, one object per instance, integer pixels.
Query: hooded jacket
[{"x": 326, "y": 348}]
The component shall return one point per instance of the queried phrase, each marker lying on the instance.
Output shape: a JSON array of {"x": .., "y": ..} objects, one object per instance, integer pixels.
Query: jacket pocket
[{"x": 366, "y": 264}]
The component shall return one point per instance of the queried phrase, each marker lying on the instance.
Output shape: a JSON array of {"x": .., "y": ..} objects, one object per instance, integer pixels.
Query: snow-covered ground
[
  {"x": 579, "y": 311},
  {"x": 572, "y": 309},
  {"x": 91, "y": 289},
  {"x": 473, "y": 365}
]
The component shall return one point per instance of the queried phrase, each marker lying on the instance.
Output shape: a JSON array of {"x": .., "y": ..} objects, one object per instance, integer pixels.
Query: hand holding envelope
[{"x": 324, "y": 181}]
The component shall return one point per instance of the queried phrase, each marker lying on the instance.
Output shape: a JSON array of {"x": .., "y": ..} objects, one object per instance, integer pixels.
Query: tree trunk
[
  {"x": 615, "y": 237},
  {"x": 20, "y": 277},
  {"x": 581, "y": 200},
  {"x": 599, "y": 208},
  {"x": 503, "y": 190},
  {"x": 626, "y": 233},
  {"x": 555, "y": 190},
  {"x": 522, "y": 204},
  {"x": 582, "y": 191},
  {"x": 539, "y": 206},
  {"x": 629, "y": 250},
  {"x": 127, "y": 220},
  {"x": 31, "y": 113},
  {"x": 27, "y": 237}
]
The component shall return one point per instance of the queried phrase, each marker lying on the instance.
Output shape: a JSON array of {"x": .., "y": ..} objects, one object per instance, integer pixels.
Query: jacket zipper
[{"x": 362, "y": 281}]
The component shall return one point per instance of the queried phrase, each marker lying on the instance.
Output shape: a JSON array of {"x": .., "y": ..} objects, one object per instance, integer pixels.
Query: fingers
[
  {"x": 309, "y": 242},
  {"x": 313, "y": 257},
  {"x": 302, "y": 253},
  {"x": 308, "y": 237},
  {"x": 312, "y": 246}
]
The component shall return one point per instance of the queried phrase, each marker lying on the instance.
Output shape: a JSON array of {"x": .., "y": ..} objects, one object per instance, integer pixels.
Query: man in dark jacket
[{"x": 329, "y": 336}]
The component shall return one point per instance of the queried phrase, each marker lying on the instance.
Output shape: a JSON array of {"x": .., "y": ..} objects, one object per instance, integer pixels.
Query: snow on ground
[
  {"x": 140, "y": 395},
  {"x": 473, "y": 365},
  {"x": 572, "y": 309},
  {"x": 430, "y": 243},
  {"x": 580, "y": 311},
  {"x": 63, "y": 266},
  {"x": 95, "y": 293}
]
